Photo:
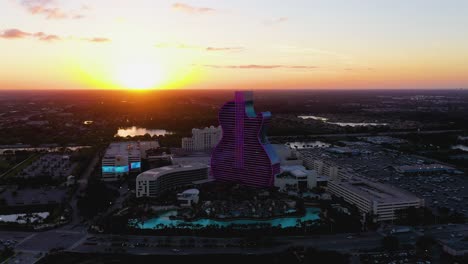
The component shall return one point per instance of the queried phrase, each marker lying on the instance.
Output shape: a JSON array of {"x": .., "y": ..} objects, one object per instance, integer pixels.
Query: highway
[{"x": 35, "y": 244}]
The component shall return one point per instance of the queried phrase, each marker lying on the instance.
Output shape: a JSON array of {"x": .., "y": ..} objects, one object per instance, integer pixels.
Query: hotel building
[
  {"x": 122, "y": 158},
  {"x": 202, "y": 139},
  {"x": 154, "y": 182},
  {"x": 244, "y": 154}
]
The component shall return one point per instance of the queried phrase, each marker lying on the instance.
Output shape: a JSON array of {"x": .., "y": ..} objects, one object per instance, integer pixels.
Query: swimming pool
[{"x": 163, "y": 221}]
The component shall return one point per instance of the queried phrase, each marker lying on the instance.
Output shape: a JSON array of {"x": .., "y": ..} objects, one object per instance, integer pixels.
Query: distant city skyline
[{"x": 214, "y": 44}]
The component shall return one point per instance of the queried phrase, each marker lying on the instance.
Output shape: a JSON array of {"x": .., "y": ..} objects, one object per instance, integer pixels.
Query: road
[
  {"x": 82, "y": 183},
  {"x": 143, "y": 245},
  {"x": 34, "y": 245},
  {"x": 37, "y": 244}
]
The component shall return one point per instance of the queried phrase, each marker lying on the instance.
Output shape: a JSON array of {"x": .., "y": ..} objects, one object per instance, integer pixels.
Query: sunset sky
[{"x": 216, "y": 44}]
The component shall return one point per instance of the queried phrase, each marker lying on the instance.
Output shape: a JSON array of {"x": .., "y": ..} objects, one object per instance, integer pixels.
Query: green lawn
[{"x": 4, "y": 166}]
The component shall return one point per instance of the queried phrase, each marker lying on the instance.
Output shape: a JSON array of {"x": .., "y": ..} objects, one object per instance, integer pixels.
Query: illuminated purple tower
[{"x": 244, "y": 154}]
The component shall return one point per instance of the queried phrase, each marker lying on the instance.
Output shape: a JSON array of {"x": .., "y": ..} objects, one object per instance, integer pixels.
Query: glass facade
[
  {"x": 114, "y": 169},
  {"x": 135, "y": 165}
]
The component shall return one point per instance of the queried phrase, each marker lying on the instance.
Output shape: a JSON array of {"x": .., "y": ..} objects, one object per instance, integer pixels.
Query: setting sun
[{"x": 139, "y": 75}]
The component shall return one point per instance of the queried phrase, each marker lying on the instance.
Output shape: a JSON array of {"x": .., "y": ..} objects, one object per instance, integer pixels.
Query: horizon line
[{"x": 233, "y": 89}]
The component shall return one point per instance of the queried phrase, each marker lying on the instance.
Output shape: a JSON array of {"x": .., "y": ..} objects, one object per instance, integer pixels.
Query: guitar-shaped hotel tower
[{"x": 244, "y": 154}]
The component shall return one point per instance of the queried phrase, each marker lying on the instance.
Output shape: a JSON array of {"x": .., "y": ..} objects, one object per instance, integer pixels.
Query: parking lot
[
  {"x": 53, "y": 165},
  {"x": 378, "y": 163}
]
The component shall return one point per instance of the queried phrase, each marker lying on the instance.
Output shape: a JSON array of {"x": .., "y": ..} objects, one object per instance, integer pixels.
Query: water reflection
[
  {"x": 308, "y": 144},
  {"x": 140, "y": 131},
  {"x": 24, "y": 218},
  {"x": 460, "y": 147},
  {"x": 343, "y": 124}
]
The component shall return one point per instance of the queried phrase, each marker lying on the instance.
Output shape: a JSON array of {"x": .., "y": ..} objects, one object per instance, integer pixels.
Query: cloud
[
  {"x": 175, "y": 46},
  {"x": 99, "y": 39},
  {"x": 275, "y": 21},
  {"x": 45, "y": 37},
  {"x": 204, "y": 48},
  {"x": 13, "y": 34},
  {"x": 307, "y": 51},
  {"x": 260, "y": 66},
  {"x": 224, "y": 48},
  {"x": 51, "y": 10},
  {"x": 19, "y": 34},
  {"x": 359, "y": 69},
  {"x": 192, "y": 9}
]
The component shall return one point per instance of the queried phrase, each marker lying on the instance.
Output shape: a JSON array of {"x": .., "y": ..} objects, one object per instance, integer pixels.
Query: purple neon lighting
[
  {"x": 241, "y": 156},
  {"x": 240, "y": 110}
]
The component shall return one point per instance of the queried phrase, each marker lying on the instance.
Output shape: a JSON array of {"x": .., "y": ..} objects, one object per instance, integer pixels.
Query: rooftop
[
  {"x": 128, "y": 148},
  {"x": 191, "y": 192},
  {"x": 193, "y": 158},
  {"x": 28, "y": 196},
  {"x": 374, "y": 191},
  {"x": 153, "y": 174}
]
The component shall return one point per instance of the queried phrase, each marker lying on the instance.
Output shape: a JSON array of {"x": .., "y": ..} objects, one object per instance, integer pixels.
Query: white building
[
  {"x": 202, "y": 139},
  {"x": 71, "y": 180},
  {"x": 324, "y": 166},
  {"x": 286, "y": 155},
  {"x": 295, "y": 178},
  {"x": 188, "y": 197},
  {"x": 153, "y": 182},
  {"x": 147, "y": 145},
  {"x": 122, "y": 158},
  {"x": 380, "y": 200}
]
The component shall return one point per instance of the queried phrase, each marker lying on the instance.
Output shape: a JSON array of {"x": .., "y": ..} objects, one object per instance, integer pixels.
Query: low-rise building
[
  {"x": 188, "y": 197},
  {"x": 380, "y": 200},
  {"x": 295, "y": 179},
  {"x": 455, "y": 247},
  {"x": 16, "y": 199},
  {"x": 154, "y": 182},
  {"x": 325, "y": 166},
  {"x": 287, "y": 155},
  {"x": 122, "y": 158}
]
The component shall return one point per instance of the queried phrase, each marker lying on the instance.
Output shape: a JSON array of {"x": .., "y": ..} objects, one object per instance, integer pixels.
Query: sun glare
[{"x": 139, "y": 75}]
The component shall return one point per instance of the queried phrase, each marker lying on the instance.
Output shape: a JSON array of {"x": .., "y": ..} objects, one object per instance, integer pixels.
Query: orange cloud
[
  {"x": 50, "y": 9},
  {"x": 99, "y": 40},
  {"x": 192, "y": 9},
  {"x": 46, "y": 37},
  {"x": 13, "y": 34},
  {"x": 19, "y": 34}
]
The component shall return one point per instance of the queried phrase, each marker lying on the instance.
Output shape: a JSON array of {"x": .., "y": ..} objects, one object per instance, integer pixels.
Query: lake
[
  {"x": 140, "y": 131},
  {"x": 343, "y": 124},
  {"x": 460, "y": 147},
  {"x": 309, "y": 144},
  {"x": 21, "y": 218},
  {"x": 163, "y": 221}
]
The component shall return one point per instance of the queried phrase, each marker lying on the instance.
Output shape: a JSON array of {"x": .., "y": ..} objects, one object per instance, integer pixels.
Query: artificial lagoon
[{"x": 164, "y": 221}]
